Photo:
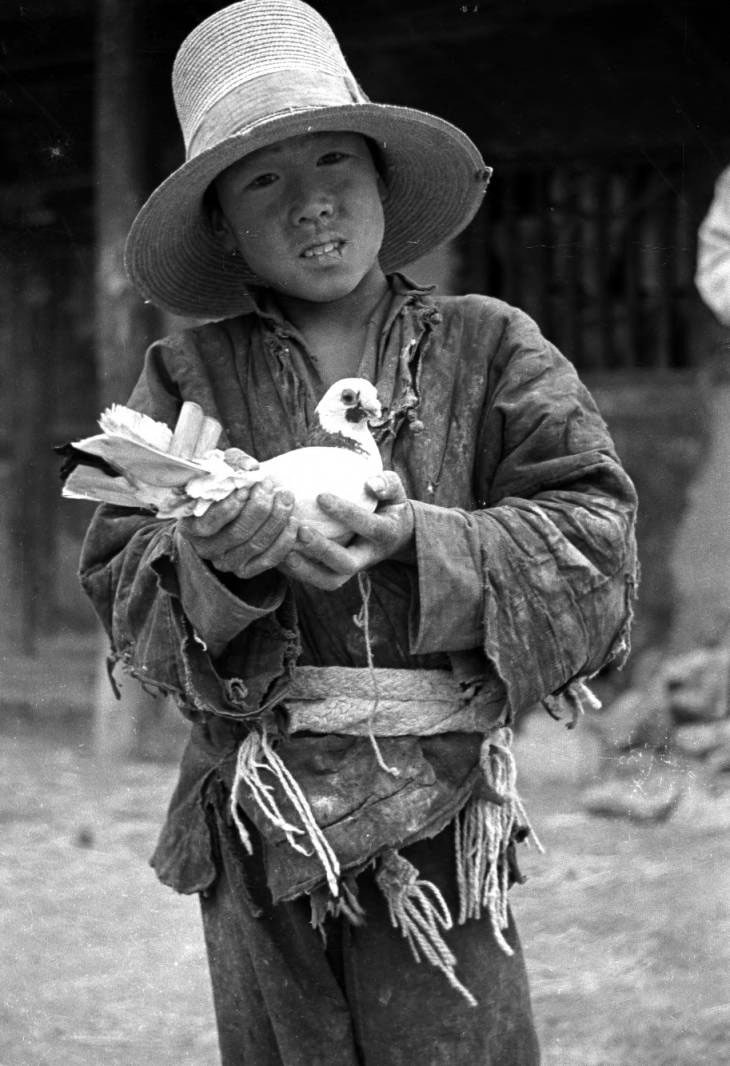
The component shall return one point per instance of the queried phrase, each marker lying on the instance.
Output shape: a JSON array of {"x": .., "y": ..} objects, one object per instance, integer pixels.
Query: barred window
[{"x": 600, "y": 252}]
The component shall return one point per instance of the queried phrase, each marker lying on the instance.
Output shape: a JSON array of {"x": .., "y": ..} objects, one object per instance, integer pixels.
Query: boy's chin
[{"x": 324, "y": 289}]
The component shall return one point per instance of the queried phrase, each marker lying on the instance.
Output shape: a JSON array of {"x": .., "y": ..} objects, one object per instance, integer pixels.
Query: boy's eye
[
  {"x": 262, "y": 180},
  {"x": 331, "y": 157}
]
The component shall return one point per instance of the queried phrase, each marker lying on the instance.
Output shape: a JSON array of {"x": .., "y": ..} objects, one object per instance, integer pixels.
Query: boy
[{"x": 496, "y": 571}]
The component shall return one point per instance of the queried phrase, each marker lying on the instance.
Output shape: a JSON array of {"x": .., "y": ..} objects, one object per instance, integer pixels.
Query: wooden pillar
[
  {"x": 121, "y": 322},
  {"x": 30, "y": 483},
  {"x": 123, "y": 325}
]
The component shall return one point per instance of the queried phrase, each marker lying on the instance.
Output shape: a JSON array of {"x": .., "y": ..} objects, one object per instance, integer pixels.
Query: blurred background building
[{"x": 606, "y": 123}]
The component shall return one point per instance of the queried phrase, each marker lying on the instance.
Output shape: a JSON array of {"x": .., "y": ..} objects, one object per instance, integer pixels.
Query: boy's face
[{"x": 306, "y": 214}]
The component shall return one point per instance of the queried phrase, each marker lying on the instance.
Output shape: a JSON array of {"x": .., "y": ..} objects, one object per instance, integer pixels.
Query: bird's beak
[
  {"x": 371, "y": 410},
  {"x": 362, "y": 412}
]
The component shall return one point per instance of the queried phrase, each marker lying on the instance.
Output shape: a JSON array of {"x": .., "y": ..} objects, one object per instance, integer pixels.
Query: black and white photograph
[{"x": 365, "y": 533}]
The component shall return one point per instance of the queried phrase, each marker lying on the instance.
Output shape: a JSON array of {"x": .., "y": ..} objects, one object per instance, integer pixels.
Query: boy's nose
[{"x": 311, "y": 205}]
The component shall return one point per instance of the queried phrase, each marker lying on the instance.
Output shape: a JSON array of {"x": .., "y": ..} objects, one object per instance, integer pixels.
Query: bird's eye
[{"x": 348, "y": 397}]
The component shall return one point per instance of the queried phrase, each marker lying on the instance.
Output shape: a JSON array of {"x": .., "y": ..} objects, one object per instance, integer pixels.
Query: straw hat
[{"x": 255, "y": 73}]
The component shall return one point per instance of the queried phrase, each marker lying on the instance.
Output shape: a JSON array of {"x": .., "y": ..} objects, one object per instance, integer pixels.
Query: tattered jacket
[{"x": 523, "y": 580}]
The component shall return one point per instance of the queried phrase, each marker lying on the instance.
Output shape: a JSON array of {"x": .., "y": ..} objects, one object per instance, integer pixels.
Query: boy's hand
[
  {"x": 250, "y": 531},
  {"x": 386, "y": 533}
]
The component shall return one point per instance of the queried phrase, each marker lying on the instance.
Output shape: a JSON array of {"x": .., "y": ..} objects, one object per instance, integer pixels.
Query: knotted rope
[
  {"x": 354, "y": 701},
  {"x": 577, "y": 697},
  {"x": 419, "y": 911},
  {"x": 482, "y": 834}
]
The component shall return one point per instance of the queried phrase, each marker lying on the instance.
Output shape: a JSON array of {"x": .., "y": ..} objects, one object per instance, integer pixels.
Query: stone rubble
[{"x": 667, "y": 733}]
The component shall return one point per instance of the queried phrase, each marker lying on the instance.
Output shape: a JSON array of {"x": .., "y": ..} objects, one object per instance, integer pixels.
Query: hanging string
[
  {"x": 255, "y": 755},
  {"x": 362, "y": 621},
  {"x": 577, "y": 697}
]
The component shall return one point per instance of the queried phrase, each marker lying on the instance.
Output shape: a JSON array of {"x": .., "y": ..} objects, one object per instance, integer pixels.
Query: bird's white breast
[{"x": 308, "y": 472}]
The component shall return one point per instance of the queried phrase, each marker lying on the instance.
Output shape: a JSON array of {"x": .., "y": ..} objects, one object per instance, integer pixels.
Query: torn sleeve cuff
[
  {"x": 216, "y": 613},
  {"x": 447, "y": 612}
]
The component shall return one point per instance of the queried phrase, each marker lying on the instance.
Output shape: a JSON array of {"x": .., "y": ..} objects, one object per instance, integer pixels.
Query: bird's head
[{"x": 353, "y": 400}]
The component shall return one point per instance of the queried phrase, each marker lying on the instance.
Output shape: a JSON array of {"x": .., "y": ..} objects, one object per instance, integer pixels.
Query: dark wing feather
[{"x": 72, "y": 457}]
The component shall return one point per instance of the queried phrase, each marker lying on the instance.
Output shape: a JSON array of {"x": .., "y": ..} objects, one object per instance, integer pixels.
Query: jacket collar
[{"x": 403, "y": 292}]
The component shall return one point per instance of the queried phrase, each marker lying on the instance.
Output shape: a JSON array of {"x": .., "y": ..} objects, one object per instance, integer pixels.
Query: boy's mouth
[{"x": 325, "y": 248}]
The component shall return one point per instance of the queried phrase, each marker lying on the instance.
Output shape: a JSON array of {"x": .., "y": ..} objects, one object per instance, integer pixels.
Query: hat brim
[{"x": 435, "y": 176}]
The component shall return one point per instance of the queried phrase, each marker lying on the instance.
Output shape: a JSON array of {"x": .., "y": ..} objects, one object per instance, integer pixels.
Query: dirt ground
[{"x": 626, "y": 927}]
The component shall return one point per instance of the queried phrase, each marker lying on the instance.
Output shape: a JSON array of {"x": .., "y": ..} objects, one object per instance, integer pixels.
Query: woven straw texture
[{"x": 271, "y": 36}]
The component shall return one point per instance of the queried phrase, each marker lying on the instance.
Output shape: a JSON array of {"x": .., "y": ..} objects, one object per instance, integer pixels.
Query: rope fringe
[
  {"x": 255, "y": 756},
  {"x": 419, "y": 911},
  {"x": 482, "y": 834},
  {"x": 484, "y": 831},
  {"x": 347, "y": 905}
]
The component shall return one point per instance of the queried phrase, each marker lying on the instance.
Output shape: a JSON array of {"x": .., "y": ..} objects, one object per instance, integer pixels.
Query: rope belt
[
  {"x": 384, "y": 702},
  {"x": 379, "y": 702}
]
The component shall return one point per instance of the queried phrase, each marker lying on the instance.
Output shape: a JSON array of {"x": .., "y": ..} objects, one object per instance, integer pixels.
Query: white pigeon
[
  {"x": 341, "y": 457},
  {"x": 138, "y": 461}
]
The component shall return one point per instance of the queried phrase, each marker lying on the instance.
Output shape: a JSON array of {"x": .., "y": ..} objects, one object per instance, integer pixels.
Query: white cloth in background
[{"x": 713, "y": 252}]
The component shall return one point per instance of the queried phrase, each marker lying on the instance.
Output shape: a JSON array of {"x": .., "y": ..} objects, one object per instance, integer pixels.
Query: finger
[
  {"x": 274, "y": 554},
  {"x": 240, "y": 561},
  {"x": 243, "y": 524},
  {"x": 362, "y": 554},
  {"x": 311, "y": 573},
  {"x": 241, "y": 543},
  {"x": 273, "y": 525},
  {"x": 387, "y": 486},
  {"x": 239, "y": 459},
  {"x": 220, "y": 514},
  {"x": 319, "y": 549},
  {"x": 365, "y": 523}
]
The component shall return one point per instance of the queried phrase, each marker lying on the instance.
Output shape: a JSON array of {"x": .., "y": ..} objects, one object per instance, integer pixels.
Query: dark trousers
[{"x": 284, "y": 999}]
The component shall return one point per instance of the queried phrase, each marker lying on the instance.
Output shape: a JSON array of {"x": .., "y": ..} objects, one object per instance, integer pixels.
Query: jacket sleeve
[
  {"x": 541, "y": 575},
  {"x": 713, "y": 252},
  {"x": 168, "y": 615}
]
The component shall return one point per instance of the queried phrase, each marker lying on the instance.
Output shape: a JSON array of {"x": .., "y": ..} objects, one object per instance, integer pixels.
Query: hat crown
[{"x": 247, "y": 41}]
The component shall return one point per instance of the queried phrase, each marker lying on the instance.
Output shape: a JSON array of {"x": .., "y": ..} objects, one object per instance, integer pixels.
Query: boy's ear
[
  {"x": 382, "y": 189},
  {"x": 222, "y": 229}
]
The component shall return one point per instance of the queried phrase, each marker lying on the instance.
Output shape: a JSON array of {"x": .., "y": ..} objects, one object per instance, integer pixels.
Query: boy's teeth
[{"x": 323, "y": 249}]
